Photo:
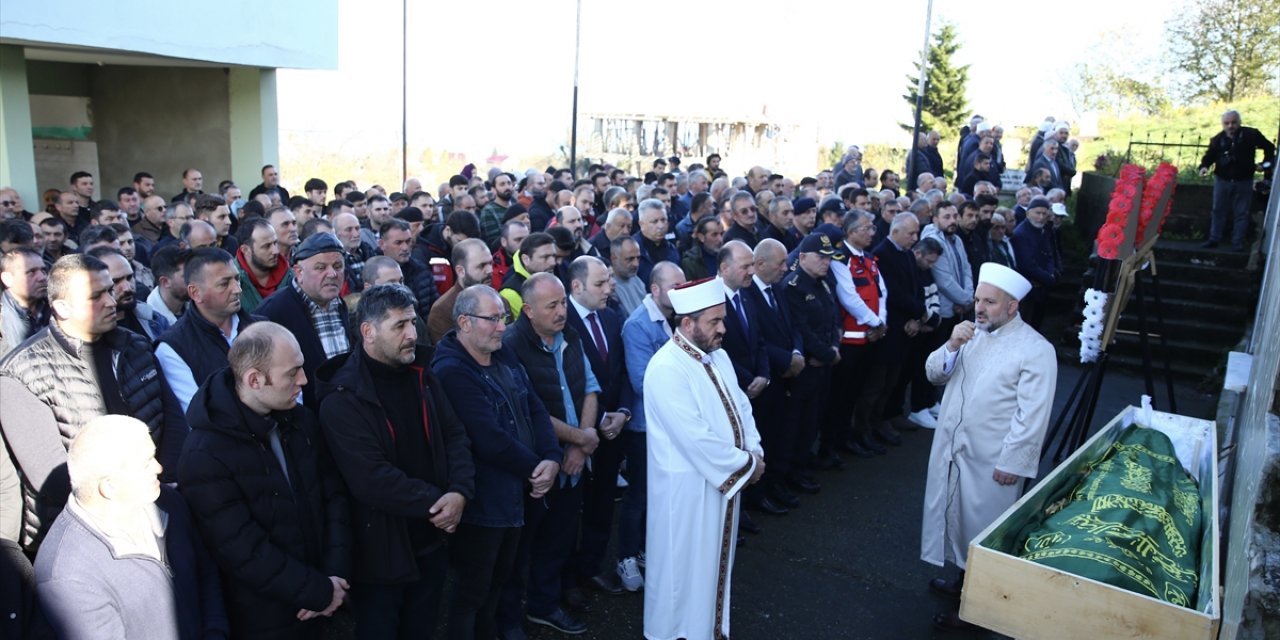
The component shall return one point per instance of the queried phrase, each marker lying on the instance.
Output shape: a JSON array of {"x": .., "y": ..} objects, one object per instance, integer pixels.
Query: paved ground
[{"x": 845, "y": 565}]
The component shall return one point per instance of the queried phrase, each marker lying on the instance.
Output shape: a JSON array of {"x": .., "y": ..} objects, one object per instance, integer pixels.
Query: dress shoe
[
  {"x": 857, "y": 448},
  {"x": 827, "y": 461},
  {"x": 767, "y": 505},
  {"x": 561, "y": 621},
  {"x": 607, "y": 582},
  {"x": 948, "y": 588},
  {"x": 901, "y": 423},
  {"x": 950, "y": 621},
  {"x": 924, "y": 419},
  {"x": 575, "y": 599},
  {"x": 870, "y": 444},
  {"x": 745, "y": 523},
  {"x": 781, "y": 496},
  {"x": 1209, "y": 244},
  {"x": 887, "y": 434},
  {"x": 512, "y": 633},
  {"x": 803, "y": 483}
]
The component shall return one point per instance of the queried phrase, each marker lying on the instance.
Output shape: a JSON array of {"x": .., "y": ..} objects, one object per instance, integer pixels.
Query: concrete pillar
[
  {"x": 17, "y": 150},
  {"x": 255, "y": 136}
]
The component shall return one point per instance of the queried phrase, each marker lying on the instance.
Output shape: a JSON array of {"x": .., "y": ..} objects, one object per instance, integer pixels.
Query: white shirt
[
  {"x": 848, "y": 294},
  {"x": 178, "y": 373}
]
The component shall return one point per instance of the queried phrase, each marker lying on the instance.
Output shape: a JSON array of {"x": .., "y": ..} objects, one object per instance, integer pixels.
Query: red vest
[
  {"x": 442, "y": 274},
  {"x": 866, "y": 281}
]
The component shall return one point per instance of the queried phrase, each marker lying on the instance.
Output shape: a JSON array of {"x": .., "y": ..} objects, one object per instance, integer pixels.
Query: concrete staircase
[{"x": 1208, "y": 295}]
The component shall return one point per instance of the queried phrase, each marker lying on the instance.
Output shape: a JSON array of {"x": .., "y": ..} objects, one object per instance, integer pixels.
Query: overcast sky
[{"x": 498, "y": 75}]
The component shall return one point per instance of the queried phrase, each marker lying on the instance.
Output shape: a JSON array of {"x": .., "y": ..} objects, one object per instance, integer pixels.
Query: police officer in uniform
[{"x": 812, "y": 307}]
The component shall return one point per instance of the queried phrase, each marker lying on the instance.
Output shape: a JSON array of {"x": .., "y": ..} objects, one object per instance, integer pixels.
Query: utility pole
[{"x": 920, "y": 89}]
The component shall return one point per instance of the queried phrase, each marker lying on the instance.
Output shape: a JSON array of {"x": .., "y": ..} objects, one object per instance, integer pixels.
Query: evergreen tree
[{"x": 945, "y": 107}]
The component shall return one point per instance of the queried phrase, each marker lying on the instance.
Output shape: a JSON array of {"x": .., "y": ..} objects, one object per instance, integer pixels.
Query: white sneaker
[
  {"x": 629, "y": 571},
  {"x": 924, "y": 419},
  {"x": 935, "y": 409},
  {"x": 640, "y": 559}
]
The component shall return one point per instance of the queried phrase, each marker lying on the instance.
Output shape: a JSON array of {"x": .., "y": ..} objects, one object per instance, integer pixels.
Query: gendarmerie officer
[{"x": 812, "y": 304}]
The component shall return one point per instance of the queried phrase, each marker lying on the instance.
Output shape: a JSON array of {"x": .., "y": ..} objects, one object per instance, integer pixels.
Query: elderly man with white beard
[{"x": 1000, "y": 376}]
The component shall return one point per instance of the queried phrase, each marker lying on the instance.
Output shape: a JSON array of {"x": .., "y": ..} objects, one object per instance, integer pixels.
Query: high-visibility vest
[{"x": 866, "y": 282}]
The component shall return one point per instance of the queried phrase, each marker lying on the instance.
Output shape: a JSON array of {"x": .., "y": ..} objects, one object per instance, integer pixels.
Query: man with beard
[
  {"x": 472, "y": 264},
  {"x": 701, "y": 261},
  {"x": 131, "y": 314},
  {"x": 514, "y": 231},
  {"x": 435, "y": 245},
  {"x": 262, "y": 271},
  {"x": 491, "y": 216},
  {"x": 24, "y": 307},
  {"x": 407, "y": 463},
  {"x": 628, "y": 289},
  {"x": 347, "y": 228},
  {"x": 145, "y": 184},
  {"x": 1000, "y": 376},
  {"x": 169, "y": 297},
  {"x": 195, "y": 347},
  {"x": 703, "y": 450},
  {"x": 213, "y": 209},
  {"x": 967, "y": 229},
  {"x": 81, "y": 366},
  {"x": 311, "y": 308},
  {"x": 616, "y": 225},
  {"x": 396, "y": 242},
  {"x": 952, "y": 273},
  {"x": 572, "y": 218}
]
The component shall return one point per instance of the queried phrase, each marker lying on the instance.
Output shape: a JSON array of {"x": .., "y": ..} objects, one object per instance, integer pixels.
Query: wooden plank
[{"x": 1025, "y": 599}]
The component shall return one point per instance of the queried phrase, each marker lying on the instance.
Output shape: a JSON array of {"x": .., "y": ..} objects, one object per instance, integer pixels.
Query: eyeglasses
[
  {"x": 7, "y": 203},
  {"x": 748, "y": 210},
  {"x": 504, "y": 318}
]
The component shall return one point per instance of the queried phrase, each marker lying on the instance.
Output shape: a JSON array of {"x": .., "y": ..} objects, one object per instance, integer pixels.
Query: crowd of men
[{"x": 358, "y": 397}]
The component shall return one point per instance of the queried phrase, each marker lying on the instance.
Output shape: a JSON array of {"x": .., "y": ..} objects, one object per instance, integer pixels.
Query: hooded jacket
[
  {"x": 276, "y": 533},
  {"x": 363, "y": 442}
]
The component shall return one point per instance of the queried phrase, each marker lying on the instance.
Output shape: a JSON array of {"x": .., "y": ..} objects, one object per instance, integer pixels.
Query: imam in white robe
[
  {"x": 700, "y": 439},
  {"x": 995, "y": 412}
]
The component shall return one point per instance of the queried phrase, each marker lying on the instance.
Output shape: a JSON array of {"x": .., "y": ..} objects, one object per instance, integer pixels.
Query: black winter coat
[
  {"x": 363, "y": 442},
  {"x": 276, "y": 540}
]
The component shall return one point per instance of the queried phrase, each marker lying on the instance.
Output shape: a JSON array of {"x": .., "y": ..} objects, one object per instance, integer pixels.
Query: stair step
[
  {"x": 1191, "y": 253},
  {"x": 1181, "y": 370}
]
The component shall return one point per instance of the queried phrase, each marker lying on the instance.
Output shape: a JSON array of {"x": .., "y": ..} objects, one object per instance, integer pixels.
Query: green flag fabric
[{"x": 1133, "y": 522}]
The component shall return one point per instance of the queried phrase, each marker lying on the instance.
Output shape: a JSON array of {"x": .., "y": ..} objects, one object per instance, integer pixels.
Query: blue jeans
[
  {"x": 631, "y": 516},
  {"x": 1231, "y": 196}
]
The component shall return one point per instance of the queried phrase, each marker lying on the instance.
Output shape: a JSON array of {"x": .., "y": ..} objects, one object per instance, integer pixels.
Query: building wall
[
  {"x": 161, "y": 120},
  {"x": 233, "y": 32}
]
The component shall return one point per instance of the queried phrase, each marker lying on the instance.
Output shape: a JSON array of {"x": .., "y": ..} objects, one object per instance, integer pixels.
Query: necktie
[
  {"x": 601, "y": 345},
  {"x": 773, "y": 302},
  {"x": 742, "y": 313}
]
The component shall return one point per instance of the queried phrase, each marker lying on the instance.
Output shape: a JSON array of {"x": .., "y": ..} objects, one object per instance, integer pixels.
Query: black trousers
[
  {"x": 847, "y": 377},
  {"x": 808, "y": 391},
  {"x": 482, "y": 559},
  {"x": 404, "y": 611},
  {"x": 550, "y": 531},
  {"x": 598, "y": 499},
  {"x": 777, "y": 435}
]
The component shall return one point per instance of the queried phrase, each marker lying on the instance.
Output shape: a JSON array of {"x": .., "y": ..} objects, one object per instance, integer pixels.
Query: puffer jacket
[
  {"x": 276, "y": 538},
  {"x": 56, "y": 371}
]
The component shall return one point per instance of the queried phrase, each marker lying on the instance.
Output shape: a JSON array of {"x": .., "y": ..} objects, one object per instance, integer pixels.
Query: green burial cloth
[{"x": 1132, "y": 522}]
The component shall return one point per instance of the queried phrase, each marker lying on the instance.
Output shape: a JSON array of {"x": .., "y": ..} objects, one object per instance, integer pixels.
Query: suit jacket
[
  {"x": 615, "y": 390},
  {"x": 780, "y": 336},
  {"x": 744, "y": 345},
  {"x": 905, "y": 302}
]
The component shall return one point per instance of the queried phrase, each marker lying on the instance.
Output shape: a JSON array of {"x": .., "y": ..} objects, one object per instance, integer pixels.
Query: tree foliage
[
  {"x": 1225, "y": 49},
  {"x": 945, "y": 107}
]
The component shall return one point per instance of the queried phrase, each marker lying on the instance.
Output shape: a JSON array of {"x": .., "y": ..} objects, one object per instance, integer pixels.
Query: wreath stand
[{"x": 1118, "y": 278}]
